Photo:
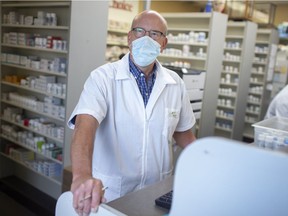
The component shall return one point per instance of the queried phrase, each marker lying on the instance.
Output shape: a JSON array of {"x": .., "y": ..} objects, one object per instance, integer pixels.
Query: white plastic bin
[{"x": 272, "y": 133}]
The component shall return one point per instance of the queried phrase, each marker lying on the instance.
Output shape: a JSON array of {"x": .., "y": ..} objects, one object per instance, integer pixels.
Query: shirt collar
[
  {"x": 136, "y": 72},
  {"x": 123, "y": 71}
]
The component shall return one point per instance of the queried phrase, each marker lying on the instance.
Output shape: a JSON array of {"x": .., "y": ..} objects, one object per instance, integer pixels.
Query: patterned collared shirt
[{"x": 145, "y": 87}]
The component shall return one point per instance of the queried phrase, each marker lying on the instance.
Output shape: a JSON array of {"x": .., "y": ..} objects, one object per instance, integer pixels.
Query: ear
[
  {"x": 129, "y": 39},
  {"x": 164, "y": 44}
]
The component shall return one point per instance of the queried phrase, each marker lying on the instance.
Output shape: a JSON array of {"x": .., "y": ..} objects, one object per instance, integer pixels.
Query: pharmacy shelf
[
  {"x": 34, "y": 131},
  {"x": 187, "y": 43},
  {"x": 201, "y": 36},
  {"x": 35, "y": 4},
  {"x": 233, "y": 88},
  {"x": 35, "y": 27},
  {"x": 56, "y": 180},
  {"x": 119, "y": 34},
  {"x": 162, "y": 56},
  {"x": 117, "y": 43},
  {"x": 29, "y": 148},
  {"x": 34, "y": 70},
  {"x": 34, "y": 110},
  {"x": 32, "y": 89},
  {"x": 34, "y": 48},
  {"x": 22, "y": 60},
  {"x": 259, "y": 95}
]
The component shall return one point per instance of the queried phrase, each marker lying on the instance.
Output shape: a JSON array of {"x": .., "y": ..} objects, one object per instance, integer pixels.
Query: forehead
[{"x": 149, "y": 22}]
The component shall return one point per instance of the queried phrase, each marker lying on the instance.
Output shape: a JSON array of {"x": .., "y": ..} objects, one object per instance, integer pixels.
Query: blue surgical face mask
[{"x": 145, "y": 51}]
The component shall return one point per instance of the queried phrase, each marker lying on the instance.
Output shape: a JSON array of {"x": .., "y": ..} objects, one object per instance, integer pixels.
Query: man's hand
[{"x": 88, "y": 194}]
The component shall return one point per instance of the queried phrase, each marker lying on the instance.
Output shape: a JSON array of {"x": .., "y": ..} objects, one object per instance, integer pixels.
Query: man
[
  {"x": 125, "y": 119},
  {"x": 279, "y": 105}
]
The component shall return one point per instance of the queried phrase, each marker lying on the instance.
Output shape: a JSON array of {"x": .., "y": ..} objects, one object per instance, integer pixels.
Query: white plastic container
[{"x": 272, "y": 133}]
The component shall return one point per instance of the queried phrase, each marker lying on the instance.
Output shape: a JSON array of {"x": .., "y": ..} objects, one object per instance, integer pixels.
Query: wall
[
  {"x": 171, "y": 6},
  {"x": 123, "y": 11},
  {"x": 281, "y": 14},
  {"x": 174, "y": 6}
]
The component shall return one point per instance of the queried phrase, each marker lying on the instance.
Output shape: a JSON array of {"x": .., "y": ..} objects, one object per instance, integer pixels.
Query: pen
[{"x": 90, "y": 195}]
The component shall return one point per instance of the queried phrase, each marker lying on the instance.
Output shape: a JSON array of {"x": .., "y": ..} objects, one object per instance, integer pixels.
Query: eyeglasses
[{"x": 154, "y": 34}]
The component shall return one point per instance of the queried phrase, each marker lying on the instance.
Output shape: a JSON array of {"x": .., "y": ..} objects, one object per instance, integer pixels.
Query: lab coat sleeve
[
  {"x": 92, "y": 99},
  {"x": 279, "y": 105},
  {"x": 282, "y": 109},
  {"x": 187, "y": 118}
]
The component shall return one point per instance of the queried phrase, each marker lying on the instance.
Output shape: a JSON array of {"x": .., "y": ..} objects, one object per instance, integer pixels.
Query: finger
[
  {"x": 97, "y": 194},
  {"x": 88, "y": 197},
  {"x": 78, "y": 195},
  {"x": 78, "y": 198},
  {"x": 79, "y": 208},
  {"x": 87, "y": 205}
]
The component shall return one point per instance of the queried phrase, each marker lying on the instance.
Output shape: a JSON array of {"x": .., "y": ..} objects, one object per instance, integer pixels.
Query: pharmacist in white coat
[
  {"x": 279, "y": 104},
  {"x": 127, "y": 115}
]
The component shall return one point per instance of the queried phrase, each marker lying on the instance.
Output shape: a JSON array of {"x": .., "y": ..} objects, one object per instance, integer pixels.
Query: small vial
[
  {"x": 261, "y": 140},
  {"x": 269, "y": 141}
]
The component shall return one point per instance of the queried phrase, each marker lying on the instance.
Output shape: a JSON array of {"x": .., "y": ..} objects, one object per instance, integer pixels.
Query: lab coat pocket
[
  {"x": 170, "y": 122},
  {"x": 113, "y": 183}
]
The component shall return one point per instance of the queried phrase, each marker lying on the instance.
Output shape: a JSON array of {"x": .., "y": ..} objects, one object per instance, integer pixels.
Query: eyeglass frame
[{"x": 145, "y": 31}]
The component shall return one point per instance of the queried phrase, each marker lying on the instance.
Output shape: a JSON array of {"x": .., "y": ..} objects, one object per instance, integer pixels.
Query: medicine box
[{"x": 272, "y": 133}]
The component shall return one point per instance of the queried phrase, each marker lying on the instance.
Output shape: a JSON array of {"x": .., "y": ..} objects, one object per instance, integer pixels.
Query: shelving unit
[
  {"x": 195, "y": 42},
  {"x": 117, "y": 39},
  {"x": 233, "y": 89},
  {"x": 33, "y": 91},
  {"x": 22, "y": 89},
  {"x": 261, "y": 79}
]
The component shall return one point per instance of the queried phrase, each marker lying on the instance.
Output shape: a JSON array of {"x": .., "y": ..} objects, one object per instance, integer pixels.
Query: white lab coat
[
  {"x": 279, "y": 105},
  {"x": 133, "y": 145}
]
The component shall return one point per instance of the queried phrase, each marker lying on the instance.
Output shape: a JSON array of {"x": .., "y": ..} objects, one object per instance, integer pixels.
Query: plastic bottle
[{"x": 208, "y": 7}]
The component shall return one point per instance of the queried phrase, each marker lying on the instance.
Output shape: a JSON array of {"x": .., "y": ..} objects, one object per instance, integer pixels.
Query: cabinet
[
  {"x": 195, "y": 42},
  {"x": 234, "y": 85},
  {"x": 261, "y": 78}
]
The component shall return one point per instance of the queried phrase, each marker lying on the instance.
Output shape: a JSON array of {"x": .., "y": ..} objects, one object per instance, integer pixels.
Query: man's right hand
[{"x": 88, "y": 194}]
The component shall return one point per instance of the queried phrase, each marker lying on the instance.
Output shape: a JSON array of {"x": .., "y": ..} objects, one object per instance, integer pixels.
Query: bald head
[{"x": 150, "y": 19}]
